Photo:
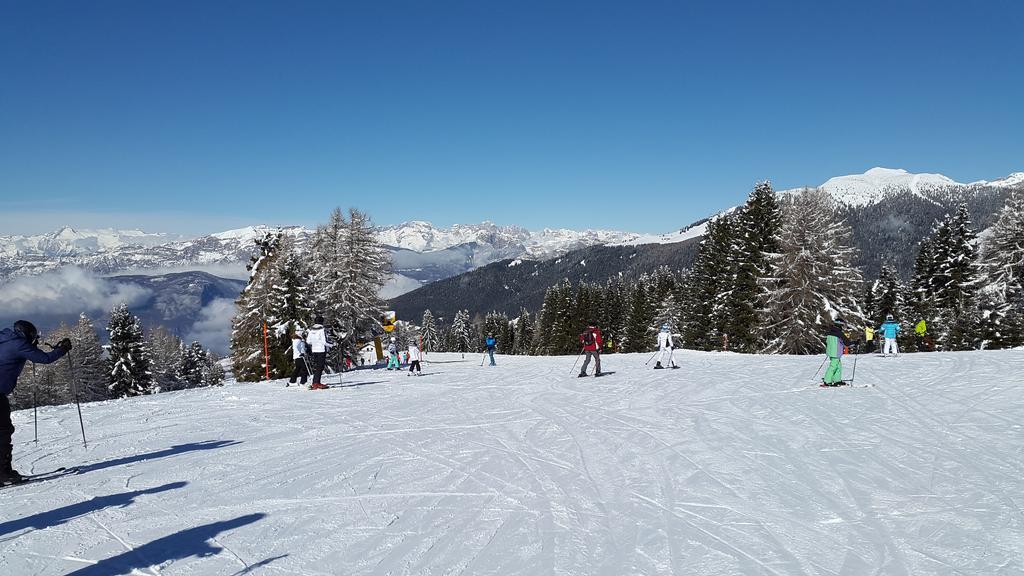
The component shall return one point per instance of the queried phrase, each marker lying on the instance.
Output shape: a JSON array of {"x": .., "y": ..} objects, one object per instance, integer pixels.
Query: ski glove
[{"x": 64, "y": 345}]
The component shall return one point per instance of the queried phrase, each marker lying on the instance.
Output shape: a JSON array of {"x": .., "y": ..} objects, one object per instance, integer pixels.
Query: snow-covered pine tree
[
  {"x": 166, "y": 351},
  {"x": 193, "y": 365},
  {"x": 814, "y": 280},
  {"x": 462, "y": 332},
  {"x": 129, "y": 361},
  {"x": 961, "y": 270},
  {"x": 430, "y": 339},
  {"x": 565, "y": 330},
  {"x": 257, "y": 305},
  {"x": 754, "y": 244},
  {"x": 1003, "y": 290},
  {"x": 711, "y": 279},
  {"x": 213, "y": 373},
  {"x": 350, "y": 267},
  {"x": 523, "y": 338},
  {"x": 543, "y": 338},
  {"x": 90, "y": 368}
]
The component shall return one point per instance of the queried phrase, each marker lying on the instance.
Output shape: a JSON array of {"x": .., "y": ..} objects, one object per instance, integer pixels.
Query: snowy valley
[{"x": 526, "y": 469}]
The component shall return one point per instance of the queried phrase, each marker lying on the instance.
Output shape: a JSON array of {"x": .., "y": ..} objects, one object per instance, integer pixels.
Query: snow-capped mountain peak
[{"x": 874, "y": 185}]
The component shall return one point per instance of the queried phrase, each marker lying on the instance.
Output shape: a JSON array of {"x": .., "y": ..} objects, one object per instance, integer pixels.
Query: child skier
[
  {"x": 299, "y": 359},
  {"x": 491, "y": 344},
  {"x": 834, "y": 350},
  {"x": 18, "y": 345},
  {"x": 889, "y": 330},
  {"x": 317, "y": 341},
  {"x": 591, "y": 341},
  {"x": 392, "y": 355},
  {"x": 665, "y": 345},
  {"x": 414, "y": 359}
]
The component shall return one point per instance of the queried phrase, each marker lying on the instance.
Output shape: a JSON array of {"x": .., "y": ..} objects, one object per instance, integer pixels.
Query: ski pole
[
  {"x": 819, "y": 368},
  {"x": 854, "y": 375},
  {"x": 35, "y": 403},
  {"x": 577, "y": 360},
  {"x": 651, "y": 358},
  {"x": 483, "y": 359},
  {"x": 74, "y": 390}
]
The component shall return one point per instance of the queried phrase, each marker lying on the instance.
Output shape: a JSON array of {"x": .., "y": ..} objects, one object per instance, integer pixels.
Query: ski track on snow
[{"x": 526, "y": 469}]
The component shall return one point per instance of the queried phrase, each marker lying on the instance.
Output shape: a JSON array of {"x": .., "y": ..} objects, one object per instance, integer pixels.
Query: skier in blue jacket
[
  {"x": 18, "y": 345},
  {"x": 491, "y": 344},
  {"x": 889, "y": 330}
]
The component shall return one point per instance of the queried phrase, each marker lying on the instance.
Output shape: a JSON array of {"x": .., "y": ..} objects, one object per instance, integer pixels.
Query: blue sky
[{"x": 200, "y": 116}]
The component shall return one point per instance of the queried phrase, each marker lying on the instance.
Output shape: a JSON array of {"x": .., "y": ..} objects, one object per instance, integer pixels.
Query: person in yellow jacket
[{"x": 869, "y": 339}]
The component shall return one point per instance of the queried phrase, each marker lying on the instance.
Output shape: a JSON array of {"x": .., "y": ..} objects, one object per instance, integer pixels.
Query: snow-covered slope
[{"x": 525, "y": 469}]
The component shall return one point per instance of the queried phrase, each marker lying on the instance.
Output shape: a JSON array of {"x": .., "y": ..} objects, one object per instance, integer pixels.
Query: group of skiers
[
  {"x": 836, "y": 345},
  {"x": 19, "y": 344}
]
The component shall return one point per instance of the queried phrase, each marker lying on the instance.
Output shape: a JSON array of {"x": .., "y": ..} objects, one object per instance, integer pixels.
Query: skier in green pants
[{"x": 834, "y": 346}]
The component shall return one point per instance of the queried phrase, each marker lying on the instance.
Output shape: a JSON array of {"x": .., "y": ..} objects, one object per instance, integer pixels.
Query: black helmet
[
  {"x": 26, "y": 330},
  {"x": 838, "y": 321},
  {"x": 319, "y": 320}
]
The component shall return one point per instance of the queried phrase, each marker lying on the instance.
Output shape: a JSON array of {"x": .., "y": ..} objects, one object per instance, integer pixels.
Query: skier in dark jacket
[{"x": 18, "y": 345}]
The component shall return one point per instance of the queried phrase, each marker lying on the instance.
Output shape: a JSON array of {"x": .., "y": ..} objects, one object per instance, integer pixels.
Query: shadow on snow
[
  {"x": 173, "y": 450},
  {"x": 180, "y": 545},
  {"x": 67, "y": 513}
]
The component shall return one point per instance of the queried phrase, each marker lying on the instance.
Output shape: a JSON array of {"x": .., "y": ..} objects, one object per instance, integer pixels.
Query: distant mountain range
[
  {"x": 479, "y": 266},
  {"x": 889, "y": 211},
  {"x": 421, "y": 252}
]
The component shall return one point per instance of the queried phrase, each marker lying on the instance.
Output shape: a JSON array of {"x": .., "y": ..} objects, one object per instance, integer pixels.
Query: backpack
[{"x": 588, "y": 338}]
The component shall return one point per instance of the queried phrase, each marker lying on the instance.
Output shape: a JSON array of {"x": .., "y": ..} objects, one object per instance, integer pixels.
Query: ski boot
[
  {"x": 658, "y": 366},
  {"x": 598, "y": 374},
  {"x": 582, "y": 375}
]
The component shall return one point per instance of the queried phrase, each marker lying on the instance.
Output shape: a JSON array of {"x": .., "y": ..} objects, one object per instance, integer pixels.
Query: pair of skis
[{"x": 42, "y": 477}]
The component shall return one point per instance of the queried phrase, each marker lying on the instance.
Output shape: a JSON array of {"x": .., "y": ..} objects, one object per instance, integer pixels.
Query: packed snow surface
[{"x": 734, "y": 464}]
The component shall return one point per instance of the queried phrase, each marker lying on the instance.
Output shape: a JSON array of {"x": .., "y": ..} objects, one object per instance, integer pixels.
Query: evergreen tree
[
  {"x": 712, "y": 276},
  {"x": 523, "y": 339},
  {"x": 129, "y": 362},
  {"x": 641, "y": 316},
  {"x": 1003, "y": 292},
  {"x": 754, "y": 245},
  {"x": 946, "y": 277},
  {"x": 166, "y": 351},
  {"x": 462, "y": 332},
  {"x": 814, "y": 280},
  {"x": 257, "y": 309},
  {"x": 90, "y": 368},
  {"x": 431, "y": 340},
  {"x": 612, "y": 314},
  {"x": 193, "y": 365},
  {"x": 351, "y": 266}
]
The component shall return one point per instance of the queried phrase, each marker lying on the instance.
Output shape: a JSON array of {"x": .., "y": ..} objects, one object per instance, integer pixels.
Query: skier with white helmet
[
  {"x": 393, "y": 363},
  {"x": 889, "y": 330},
  {"x": 665, "y": 345}
]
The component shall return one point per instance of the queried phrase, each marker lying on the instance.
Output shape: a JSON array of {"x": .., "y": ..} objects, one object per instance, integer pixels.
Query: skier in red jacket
[{"x": 591, "y": 341}]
